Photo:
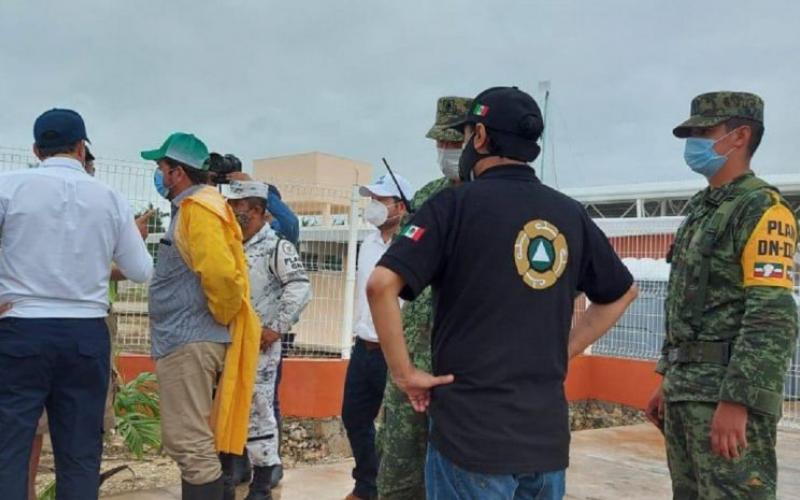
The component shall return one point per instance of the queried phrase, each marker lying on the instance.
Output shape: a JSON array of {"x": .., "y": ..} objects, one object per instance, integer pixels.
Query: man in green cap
[
  {"x": 404, "y": 434},
  {"x": 204, "y": 332},
  {"x": 731, "y": 320}
]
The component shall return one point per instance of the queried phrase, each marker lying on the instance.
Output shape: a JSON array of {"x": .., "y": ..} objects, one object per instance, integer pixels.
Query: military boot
[
  {"x": 207, "y": 491},
  {"x": 242, "y": 470},
  {"x": 228, "y": 481},
  {"x": 259, "y": 487},
  {"x": 276, "y": 476}
]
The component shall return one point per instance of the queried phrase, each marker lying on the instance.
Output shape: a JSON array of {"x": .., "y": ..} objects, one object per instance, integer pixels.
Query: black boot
[
  {"x": 276, "y": 476},
  {"x": 259, "y": 487},
  {"x": 242, "y": 470},
  {"x": 228, "y": 482},
  {"x": 207, "y": 491}
]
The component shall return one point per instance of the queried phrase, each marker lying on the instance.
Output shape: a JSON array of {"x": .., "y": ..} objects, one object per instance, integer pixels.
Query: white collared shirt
[
  {"x": 372, "y": 249},
  {"x": 60, "y": 230}
]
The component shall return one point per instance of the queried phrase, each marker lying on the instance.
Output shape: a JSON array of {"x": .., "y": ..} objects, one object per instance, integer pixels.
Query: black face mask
[
  {"x": 243, "y": 219},
  {"x": 469, "y": 158}
]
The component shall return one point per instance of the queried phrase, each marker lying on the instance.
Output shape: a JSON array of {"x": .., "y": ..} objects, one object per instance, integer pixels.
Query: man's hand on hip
[{"x": 417, "y": 384}]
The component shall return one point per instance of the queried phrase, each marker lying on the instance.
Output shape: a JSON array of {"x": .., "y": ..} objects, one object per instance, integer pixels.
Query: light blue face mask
[
  {"x": 701, "y": 156},
  {"x": 158, "y": 182}
]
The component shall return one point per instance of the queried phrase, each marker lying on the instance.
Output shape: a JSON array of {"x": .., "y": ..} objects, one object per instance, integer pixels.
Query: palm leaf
[{"x": 49, "y": 492}]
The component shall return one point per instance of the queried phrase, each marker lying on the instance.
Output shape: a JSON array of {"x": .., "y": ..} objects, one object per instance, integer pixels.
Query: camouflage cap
[
  {"x": 713, "y": 108},
  {"x": 448, "y": 110}
]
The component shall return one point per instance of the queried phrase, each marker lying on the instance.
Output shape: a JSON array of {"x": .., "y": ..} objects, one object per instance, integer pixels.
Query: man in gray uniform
[{"x": 279, "y": 291}]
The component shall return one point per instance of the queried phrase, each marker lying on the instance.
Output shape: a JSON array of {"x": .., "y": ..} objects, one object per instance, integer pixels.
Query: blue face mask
[
  {"x": 158, "y": 181},
  {"x": 701, "y": 156}
]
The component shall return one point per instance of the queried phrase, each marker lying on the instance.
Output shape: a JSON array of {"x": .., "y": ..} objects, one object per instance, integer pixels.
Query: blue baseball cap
[{"x": 58, "y": 127}]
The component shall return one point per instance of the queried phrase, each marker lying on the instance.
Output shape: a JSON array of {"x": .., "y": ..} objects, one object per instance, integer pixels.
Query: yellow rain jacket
[{"x": 210, "y": 241}]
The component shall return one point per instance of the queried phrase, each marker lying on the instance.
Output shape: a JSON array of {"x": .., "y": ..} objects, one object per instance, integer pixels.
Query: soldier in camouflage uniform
[
  {"x": 279, "y": 290},
  {"x": 403, "y": 436},
  {"x": 731, "y": 320}
]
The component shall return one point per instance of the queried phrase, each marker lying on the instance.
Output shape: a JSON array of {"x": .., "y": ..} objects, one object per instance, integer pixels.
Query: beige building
[
  {"x": 314, "y": 184},
  {"x": 318, "y": 187}
]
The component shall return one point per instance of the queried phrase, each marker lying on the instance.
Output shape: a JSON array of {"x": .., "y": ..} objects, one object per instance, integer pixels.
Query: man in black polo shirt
[{"x": 506, "y": 257}]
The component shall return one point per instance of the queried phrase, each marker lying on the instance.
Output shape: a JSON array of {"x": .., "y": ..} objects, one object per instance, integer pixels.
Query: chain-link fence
[
  {"x": 326, "y": 239},
  {"x": 643, "y": 245},
  {"x": 328, "y": 247},
  {"x": 129, "y": 318}
]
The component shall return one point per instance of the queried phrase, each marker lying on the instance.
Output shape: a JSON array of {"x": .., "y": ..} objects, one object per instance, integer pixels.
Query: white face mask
[
  {"x": 448, "y": 162},
  {"x": 376, "y": 213}
]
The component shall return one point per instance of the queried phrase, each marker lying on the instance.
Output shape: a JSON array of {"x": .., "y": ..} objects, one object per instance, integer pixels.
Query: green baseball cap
[
  {"x": 448, "y": 110},
  {"x": 712, "y": 108},
  {"x": 183, "y": 148}
]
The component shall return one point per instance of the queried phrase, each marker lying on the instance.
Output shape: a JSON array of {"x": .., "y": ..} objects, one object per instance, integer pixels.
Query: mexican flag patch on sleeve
[
  {"x": 414, "y": 233},
  {"x": 768, "y": 270}
]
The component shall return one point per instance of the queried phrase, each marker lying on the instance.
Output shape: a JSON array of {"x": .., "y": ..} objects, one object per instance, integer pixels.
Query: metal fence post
[{"x": 350, "y": 279}]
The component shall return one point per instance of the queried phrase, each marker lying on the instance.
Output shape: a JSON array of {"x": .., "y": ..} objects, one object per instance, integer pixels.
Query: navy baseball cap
[
  {"x": 58, "y": 127},
  {"x": 512, "y": 118}
]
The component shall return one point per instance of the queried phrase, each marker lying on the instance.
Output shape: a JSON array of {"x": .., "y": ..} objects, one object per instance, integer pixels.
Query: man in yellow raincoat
[{"x": 204, "y": 332}]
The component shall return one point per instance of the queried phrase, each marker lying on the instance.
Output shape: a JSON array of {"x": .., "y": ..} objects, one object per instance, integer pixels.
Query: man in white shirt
[
  {"x": 366, "y": 372},
  {"x": 60, "y": 229}
]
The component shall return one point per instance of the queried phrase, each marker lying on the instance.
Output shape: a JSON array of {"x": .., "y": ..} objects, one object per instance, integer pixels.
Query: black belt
[
  {"x": 368, "y": 344},
  {"x": 699, "y": 352}
]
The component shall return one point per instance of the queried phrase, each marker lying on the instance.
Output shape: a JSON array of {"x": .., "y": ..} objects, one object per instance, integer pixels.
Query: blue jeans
[
  {"x": 446, "y": 481},
  {"x": 363, "y": 394},
  {"x": 61, "y": 365}
]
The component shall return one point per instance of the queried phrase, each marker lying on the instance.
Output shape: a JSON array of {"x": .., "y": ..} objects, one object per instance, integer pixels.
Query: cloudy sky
[{"x": 360, "y": 78}]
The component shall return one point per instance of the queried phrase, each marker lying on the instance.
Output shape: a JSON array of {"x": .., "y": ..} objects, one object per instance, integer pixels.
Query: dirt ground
[{"x": 304, "y": 442}]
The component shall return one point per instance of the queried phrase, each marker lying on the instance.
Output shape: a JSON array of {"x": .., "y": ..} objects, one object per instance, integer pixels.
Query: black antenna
[{"x": 409, "y": 208}]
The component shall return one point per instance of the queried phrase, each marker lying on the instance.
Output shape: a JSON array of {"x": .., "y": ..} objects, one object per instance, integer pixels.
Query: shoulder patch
[
  {"x": 412, "y": 232},
  {"x": 768, "y": 256}
]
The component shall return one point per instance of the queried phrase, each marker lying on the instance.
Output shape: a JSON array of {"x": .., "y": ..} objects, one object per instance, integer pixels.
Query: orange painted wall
[
  {"x": 131, "y": 365},
  {"x": 313, "y": 388},
  {"x": 627, "y": 381}
]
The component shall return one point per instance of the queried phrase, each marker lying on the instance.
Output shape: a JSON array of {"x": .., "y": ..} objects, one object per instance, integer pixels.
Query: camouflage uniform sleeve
[
  {"x": 429, "y": 190},
  {"x": 418, "y": 315},
  {"x": 762, "y": 350}
]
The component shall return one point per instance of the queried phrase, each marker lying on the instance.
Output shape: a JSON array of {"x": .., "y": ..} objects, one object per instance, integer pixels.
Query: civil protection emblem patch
[{"x": 540, "y": 254}]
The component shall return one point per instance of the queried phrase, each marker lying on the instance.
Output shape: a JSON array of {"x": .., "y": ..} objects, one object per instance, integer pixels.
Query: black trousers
[
  {"x": 363, "y": 394},
  {"x": 61, "y": 365}
]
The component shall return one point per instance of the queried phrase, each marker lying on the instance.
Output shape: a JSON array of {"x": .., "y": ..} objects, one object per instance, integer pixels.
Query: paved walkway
[{"x": 621, "y": 462}]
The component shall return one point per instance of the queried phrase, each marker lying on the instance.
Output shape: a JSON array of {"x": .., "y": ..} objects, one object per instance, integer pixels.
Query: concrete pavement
[{"x": 620, "y": 462}]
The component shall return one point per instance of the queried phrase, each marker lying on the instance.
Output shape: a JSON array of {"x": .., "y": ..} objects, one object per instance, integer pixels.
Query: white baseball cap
[{"x": 385, "y": 186}]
